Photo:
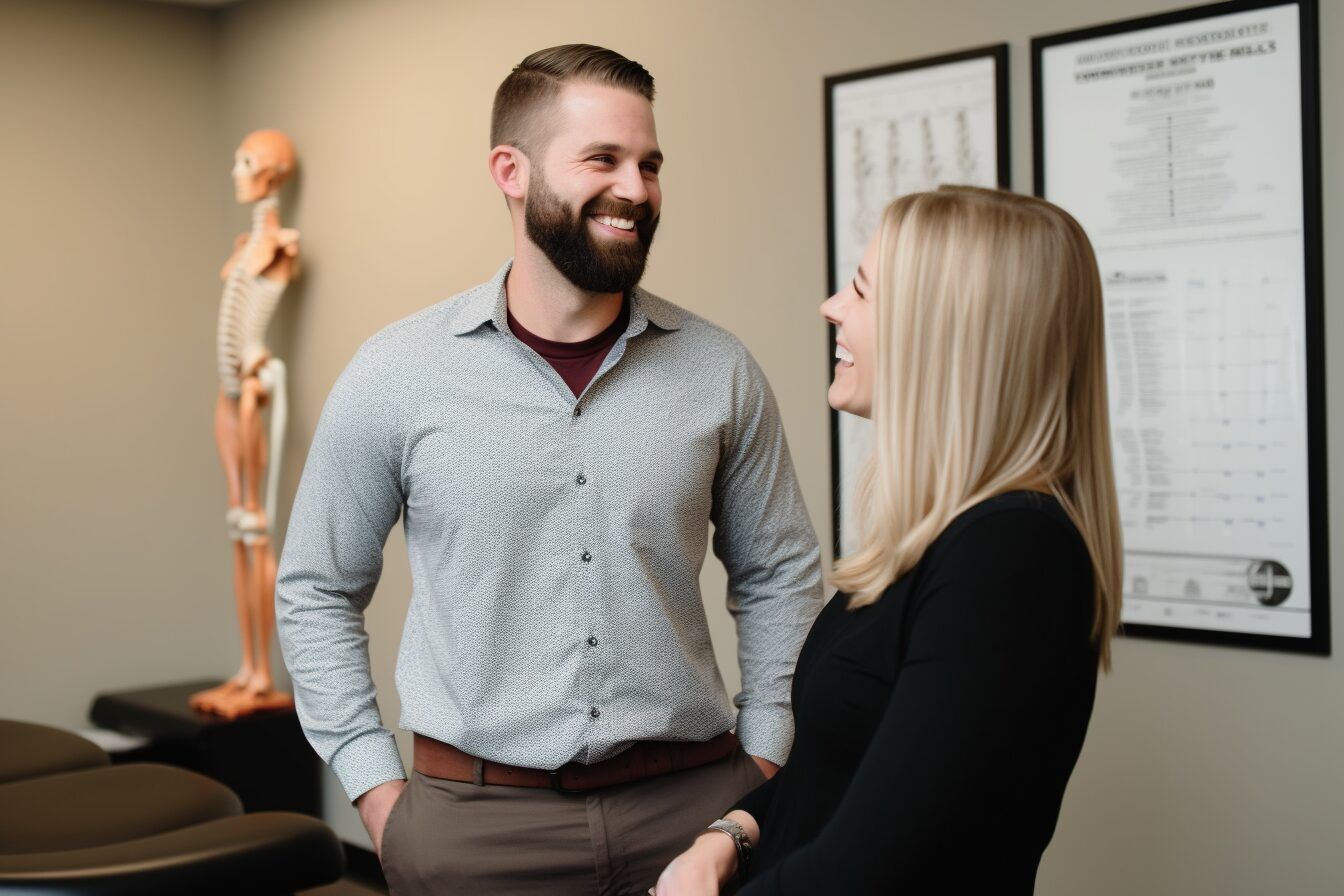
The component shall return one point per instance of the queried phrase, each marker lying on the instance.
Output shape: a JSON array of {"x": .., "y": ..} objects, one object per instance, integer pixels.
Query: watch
[{"x": 741, "y": 842}]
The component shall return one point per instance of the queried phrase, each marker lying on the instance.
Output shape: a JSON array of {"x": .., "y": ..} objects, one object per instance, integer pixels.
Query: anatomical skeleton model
[{"x": 264, "y": 260}]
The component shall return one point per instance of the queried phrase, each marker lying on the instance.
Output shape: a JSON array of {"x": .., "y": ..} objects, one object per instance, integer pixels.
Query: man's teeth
[
  {"x": 843, "y": 355},
  {"x": 618, "y": 223}
]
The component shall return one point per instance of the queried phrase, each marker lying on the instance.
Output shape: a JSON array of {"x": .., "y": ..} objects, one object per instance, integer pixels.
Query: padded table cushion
[
  {"x": 100, "y": 806},
  {"x": 29, "y": 751},
  {"x": 257, "y": 854}
]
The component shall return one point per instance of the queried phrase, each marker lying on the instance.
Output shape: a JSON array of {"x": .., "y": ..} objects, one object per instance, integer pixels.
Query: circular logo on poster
[{"x": 1269, "y": 581}]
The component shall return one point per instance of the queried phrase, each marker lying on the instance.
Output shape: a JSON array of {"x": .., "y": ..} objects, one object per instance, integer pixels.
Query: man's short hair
[{"x": 521, "y": 115}]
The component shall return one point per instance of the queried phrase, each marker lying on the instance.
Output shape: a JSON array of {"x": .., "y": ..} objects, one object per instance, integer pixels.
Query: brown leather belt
[{"x": 645, "y": 759}]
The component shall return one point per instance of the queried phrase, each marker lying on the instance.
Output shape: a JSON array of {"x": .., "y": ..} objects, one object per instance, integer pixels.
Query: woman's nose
[{"x": 830, "y": 309}]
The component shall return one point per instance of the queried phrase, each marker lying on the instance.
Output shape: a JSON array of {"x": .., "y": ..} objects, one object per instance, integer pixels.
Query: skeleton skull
[{"x": 263, "y": 161}]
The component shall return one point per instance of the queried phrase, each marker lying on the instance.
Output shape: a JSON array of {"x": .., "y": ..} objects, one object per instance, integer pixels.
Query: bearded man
[{"x": 557, "y": 441}]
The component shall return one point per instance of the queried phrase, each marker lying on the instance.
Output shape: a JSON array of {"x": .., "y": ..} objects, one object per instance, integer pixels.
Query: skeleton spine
[{"x": 246, "y": 307}]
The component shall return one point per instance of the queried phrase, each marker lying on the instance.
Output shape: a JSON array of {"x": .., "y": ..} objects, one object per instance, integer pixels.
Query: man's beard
[{"x": 613, "y": 265}]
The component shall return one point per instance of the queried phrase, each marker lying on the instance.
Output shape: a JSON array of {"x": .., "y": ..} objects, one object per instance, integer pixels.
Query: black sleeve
[
  {"x": 757, "y": 802},
  {"x": 995, "y": 620}
]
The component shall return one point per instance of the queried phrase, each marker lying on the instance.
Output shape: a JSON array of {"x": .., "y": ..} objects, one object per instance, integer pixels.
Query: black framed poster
[
  {"x": 899, "y": 129},
  {"x": 1188, "y": 147}
]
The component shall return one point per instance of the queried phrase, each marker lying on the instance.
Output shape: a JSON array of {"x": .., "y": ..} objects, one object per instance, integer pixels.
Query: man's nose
[{"x": 630, "y": 186}]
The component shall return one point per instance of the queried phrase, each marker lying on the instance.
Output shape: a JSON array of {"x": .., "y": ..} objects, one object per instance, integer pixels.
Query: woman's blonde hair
[{"x": 990, "y": 376}]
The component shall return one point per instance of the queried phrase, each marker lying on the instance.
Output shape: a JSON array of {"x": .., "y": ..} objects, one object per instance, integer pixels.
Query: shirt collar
[{"x": 487, "y": 303}]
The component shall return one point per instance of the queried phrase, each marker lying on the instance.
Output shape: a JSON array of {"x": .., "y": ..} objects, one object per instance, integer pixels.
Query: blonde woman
[{"x": 943, "y": 695}]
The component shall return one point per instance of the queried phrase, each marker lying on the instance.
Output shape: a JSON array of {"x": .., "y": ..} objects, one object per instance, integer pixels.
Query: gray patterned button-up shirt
[{"x": 555, "y": 543}]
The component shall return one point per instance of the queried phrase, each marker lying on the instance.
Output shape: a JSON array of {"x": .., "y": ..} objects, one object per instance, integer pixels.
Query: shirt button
[
  {"x": 594, "y": 712},
  {"x": 592, "y": 642},
  {"x": 586, "y": 557},
  {"x": 578, "y": 411},
  {"x": 580, "y": 479}
]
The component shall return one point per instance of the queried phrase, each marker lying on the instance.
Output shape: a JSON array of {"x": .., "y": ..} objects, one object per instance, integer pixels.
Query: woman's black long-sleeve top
[{"x": 937, "y": 728}]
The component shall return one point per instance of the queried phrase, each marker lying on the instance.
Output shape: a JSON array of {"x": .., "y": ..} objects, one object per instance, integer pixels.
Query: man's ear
[{"x": 510, "y": 168}]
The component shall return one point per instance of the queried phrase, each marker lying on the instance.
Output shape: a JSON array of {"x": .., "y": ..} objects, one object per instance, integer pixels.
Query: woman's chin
[
  {"x": 845, "y": 404},
  {"x": 838, "y": 402}
]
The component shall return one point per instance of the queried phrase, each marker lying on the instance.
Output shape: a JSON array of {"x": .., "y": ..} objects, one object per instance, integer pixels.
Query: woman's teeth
[{"x": 844, "y": 356}]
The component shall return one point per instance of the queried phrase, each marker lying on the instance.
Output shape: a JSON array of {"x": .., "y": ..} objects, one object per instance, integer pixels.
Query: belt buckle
[{"x": 554, "y": 775}]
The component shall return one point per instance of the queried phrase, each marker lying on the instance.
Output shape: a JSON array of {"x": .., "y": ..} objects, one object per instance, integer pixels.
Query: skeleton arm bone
[{"x": 272, "y": 376}]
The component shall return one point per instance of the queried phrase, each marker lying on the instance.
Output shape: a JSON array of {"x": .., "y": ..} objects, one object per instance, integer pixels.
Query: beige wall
[
  {"x": 1207, "y": 771},
  {"x": 115, "y": 192}
]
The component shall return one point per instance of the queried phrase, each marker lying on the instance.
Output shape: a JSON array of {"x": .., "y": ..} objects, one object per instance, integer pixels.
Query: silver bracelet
[{"x": 741, "y": 842}]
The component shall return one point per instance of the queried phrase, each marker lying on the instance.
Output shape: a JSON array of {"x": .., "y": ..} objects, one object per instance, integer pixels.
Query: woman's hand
[{"x": 699, "y": 871}]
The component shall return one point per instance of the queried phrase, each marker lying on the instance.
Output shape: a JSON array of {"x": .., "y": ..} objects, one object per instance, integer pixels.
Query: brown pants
[{"x": 446, "y": 837}]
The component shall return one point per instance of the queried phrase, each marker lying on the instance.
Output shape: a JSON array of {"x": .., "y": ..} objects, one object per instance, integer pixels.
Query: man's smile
[{"x": 623, "y": 227}]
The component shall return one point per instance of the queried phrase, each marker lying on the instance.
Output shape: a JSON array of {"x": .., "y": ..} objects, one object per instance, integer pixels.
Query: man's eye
[
  {"x": 650, "y": 167},
  {"x": 606, "y": 160}
]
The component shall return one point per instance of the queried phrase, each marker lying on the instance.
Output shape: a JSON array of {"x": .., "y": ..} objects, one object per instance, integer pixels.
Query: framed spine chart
[
  {"x": 1188, "y": 147},
  {"x": 900, "y": 129}
]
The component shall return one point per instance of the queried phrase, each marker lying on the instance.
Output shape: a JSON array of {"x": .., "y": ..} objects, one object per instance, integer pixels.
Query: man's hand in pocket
[{"x": 374, "y": 806}]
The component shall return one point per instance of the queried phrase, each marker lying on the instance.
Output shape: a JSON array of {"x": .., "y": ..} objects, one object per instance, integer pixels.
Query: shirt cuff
[
  {"x": 766, "y": 731},
  {"x": 367, "y": 761}
]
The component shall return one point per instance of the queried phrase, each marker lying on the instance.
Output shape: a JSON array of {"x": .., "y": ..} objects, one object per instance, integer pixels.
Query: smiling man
[{"x": 558, "y": 441}]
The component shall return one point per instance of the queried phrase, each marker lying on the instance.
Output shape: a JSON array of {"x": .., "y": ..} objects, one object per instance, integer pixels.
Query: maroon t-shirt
[{"x": 576, "y": 362}]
